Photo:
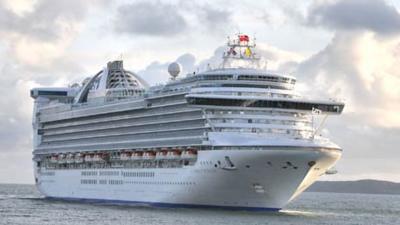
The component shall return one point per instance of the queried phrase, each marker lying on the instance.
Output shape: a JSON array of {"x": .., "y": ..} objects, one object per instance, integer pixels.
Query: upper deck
[
  {"x": 236, "y": 77},
  {"x": 115, "y": 89},
  {"x": 116, "y": 109}
]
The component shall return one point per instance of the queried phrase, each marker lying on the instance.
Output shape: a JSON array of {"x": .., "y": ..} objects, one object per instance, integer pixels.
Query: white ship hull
[
  {"x": 230, "y": 137},
  {"x": 259, "y": 180}
]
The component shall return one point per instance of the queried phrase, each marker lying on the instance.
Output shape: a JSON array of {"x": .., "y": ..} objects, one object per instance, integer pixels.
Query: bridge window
[
  {"x": 337, "y": 108},
  {"x": 54, "y": 93}
]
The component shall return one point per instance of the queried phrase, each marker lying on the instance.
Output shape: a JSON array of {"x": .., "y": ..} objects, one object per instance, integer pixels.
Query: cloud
[
  {"x": 215, "y": 19},
  {"x": 357, "y": 65},
  {"x": 372, "y": 15},
  {"x": 149, "y": 18},
  {"x": 43, "y": 32},
  {"x": 32, "y": 54},
  {"x": 157, "y": 18},
  {"x": 15, "y": 116},
  {"x": 46, "y": 21},
  {"x": 188, "y": 61},
  {"x": 362, "y": 70}
]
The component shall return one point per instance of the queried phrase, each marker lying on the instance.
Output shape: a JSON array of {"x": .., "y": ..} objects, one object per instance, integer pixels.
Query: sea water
[{"x": 22, "y": 204}]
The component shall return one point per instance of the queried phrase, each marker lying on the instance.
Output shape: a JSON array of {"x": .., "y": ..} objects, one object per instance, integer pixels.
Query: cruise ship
[{"x": 237, "y": 136}]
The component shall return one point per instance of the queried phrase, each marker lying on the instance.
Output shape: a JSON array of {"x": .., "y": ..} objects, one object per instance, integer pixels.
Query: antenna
[{"x": 240, "y": 49}]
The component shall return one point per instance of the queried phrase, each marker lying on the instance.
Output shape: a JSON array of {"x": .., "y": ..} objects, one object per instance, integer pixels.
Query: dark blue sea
[{"x": 22, "y": 204}]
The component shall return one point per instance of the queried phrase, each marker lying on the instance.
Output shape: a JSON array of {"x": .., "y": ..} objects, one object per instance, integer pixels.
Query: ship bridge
[{"x": 245, "y": 77}]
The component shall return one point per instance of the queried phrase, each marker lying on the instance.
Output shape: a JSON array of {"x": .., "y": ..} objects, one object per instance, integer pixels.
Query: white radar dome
[{"x": 174, "y": 69}]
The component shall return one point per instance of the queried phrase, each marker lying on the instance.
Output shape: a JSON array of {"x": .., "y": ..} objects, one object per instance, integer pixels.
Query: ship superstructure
[{"x": 236, "y": 136}]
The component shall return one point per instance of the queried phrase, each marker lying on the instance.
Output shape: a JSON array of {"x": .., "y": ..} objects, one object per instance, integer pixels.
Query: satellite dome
[{"x": 174, "y": 69}]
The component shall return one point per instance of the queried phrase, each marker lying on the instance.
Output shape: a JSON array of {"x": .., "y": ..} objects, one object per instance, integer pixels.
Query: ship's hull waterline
[{"x": 256, "y": 180}]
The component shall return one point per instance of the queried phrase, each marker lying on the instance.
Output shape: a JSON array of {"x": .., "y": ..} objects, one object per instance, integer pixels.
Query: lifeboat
[
  {"x": 79, "y": 158},
  {"x": 98, "y": 158},
  {"x": 54, "y": 159},
  {"x": 161, "y": 155},
  {"x": 70, "y": 158},
  {"x": 189, "y": 154},
  {"x": 88, "y": 158},
  {"x": 105, "y": 156},
  {"x": 61, "y": 159},
  {"x": 137, "y": 155},
  {"x": 149, "y": 155},
  {"x": 174, "y": 154},
  {"x": 125, "y": 156}
]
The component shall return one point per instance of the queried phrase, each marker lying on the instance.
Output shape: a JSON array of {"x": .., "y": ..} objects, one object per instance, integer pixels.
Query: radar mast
[{"x": 241, "y": 51}]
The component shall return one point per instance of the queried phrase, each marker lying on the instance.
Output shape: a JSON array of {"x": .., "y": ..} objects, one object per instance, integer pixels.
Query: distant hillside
[{"x": 359, "y": 186}]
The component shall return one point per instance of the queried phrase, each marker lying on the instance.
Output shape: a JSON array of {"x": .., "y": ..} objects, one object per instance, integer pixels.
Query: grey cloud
[
  {"x": 265, "y": 17},
  {"x": 155, "y": 73},
  {"x": 337, "y": 63},
  {"x": 215, "y": 19},
  {"x": 288, "y": 67},
  {"x": 15, "y": 124},
  {"x": 15, "y": 115},
  {"x": 158, "y": 18},
  {"x": 44, "y": 21},
  {"x": 188, "y": 62},
  {"x": 149, "y": 18},
  {"x": 215, "y": 60},
  {"x": 373, "y": 15},
  {"x": 41, "y": 24}
]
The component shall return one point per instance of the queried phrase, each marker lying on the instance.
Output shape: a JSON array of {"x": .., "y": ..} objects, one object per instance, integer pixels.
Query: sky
[{"x": 344, "y": 49}]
